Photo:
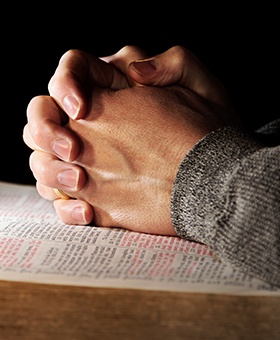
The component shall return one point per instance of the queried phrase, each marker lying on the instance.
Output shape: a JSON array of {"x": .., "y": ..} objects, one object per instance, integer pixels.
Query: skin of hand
[
  {"x": 176, "y": 65},
  {"x": 132, "y": 143},
  {"x": 77, "y": 72}
]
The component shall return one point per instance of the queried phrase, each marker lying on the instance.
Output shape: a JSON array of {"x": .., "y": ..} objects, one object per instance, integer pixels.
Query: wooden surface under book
[{"x": 41, "y": 311}]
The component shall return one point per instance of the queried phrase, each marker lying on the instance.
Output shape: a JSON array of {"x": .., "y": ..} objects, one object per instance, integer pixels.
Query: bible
[{"x": 35, "y": 246}]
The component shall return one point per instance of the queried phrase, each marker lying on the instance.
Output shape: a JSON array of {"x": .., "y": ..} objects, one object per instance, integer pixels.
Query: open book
[{"x": 36, "y": 247}]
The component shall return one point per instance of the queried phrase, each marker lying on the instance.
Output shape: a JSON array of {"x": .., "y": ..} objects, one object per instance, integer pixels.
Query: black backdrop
[{"x": 242, "y": 50}]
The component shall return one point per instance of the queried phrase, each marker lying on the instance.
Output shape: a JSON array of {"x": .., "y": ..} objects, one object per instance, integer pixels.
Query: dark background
[{"x": 240, "y": 48}]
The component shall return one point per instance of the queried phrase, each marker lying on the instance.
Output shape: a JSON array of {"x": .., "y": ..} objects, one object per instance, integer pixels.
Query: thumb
[{"x": 181, "y": 67}]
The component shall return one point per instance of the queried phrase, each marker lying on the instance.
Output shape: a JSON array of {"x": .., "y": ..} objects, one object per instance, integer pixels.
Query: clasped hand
[{"x": 114, "y": 131}]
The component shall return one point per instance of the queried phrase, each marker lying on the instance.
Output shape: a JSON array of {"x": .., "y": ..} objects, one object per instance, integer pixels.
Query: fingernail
[
  {"x": 68, "y": 178},
  {"x": 78, "y": 213},
  {"x": 145, "y": 67},
  {"x": 71, "y": 106},
  {"x": 62, "y": 148}
]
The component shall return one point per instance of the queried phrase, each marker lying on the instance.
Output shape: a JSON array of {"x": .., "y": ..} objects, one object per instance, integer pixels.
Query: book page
[{"x": 36, "y": 247}]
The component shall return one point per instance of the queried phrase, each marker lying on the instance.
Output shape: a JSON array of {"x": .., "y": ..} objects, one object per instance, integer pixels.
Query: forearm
[{"x": 227, "y": 196}]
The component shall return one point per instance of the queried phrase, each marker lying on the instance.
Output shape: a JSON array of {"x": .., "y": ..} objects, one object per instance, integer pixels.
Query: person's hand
[
  {"x": 132, "y": 143},
  {"x": 76, "y": 75},
  {"x": 79, "y": 72},
  {"x": 175, "y": 65}
]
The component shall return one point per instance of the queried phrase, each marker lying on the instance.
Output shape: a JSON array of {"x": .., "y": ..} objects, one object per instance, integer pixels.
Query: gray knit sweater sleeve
[{"x": 227, "y": 195}]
